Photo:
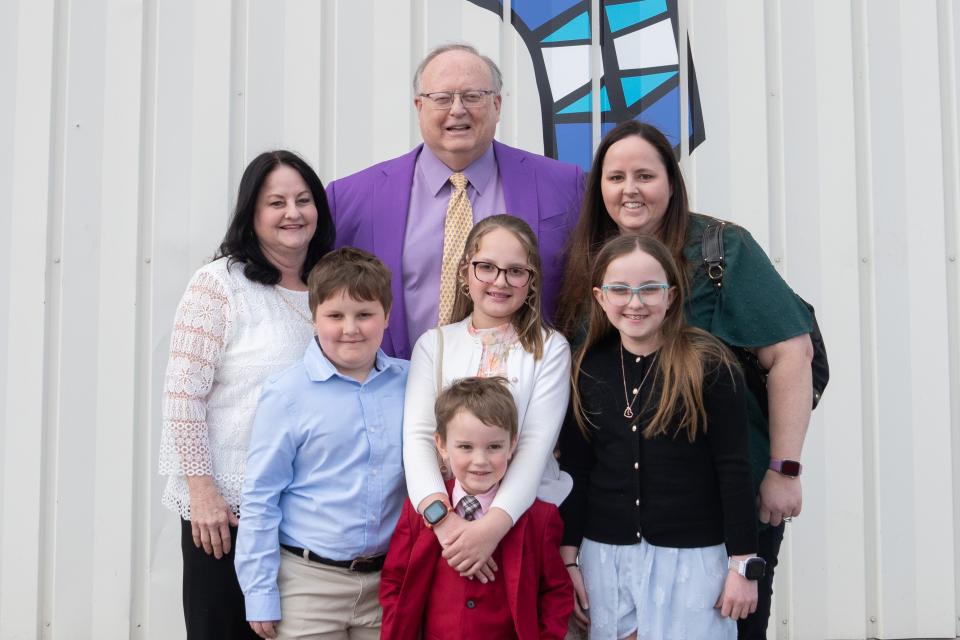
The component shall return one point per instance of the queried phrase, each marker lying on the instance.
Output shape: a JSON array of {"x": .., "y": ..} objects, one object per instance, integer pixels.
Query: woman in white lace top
[{"x": 243, "y": 317}]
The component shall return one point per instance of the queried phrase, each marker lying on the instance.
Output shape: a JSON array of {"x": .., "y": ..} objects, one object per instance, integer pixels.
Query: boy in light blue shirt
[{"x": 324, "y": 477}]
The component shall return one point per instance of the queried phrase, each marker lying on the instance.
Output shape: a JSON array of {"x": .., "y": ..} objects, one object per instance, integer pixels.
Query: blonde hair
[
  {"x": 528, "y": 319},
  {"x": 685, "y": 353}
]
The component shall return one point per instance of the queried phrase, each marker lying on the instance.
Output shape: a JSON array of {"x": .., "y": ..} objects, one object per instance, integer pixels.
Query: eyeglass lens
[
  {"x": 488, "y": 273},
  {"x": 621, "y": 295}
]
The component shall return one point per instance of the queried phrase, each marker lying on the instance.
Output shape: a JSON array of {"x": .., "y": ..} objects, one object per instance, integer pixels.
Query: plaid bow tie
[{"x": 470, "y": 507}]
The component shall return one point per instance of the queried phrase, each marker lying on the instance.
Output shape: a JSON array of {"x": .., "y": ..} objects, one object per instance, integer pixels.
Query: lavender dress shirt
[{"x": 423, "y": 238}]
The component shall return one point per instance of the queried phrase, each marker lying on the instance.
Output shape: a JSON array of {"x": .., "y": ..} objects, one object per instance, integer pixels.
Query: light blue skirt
[{"x": 662, "y": 593}]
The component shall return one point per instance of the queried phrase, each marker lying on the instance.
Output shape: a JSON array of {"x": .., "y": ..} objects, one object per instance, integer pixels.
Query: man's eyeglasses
[
  {"x": 620, "y": 295},
  {"x": 488, "y": 273},
  {"x": 469, "y": 99}
]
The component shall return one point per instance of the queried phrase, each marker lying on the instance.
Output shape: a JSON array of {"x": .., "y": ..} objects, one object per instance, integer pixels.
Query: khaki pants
[{"x": 320, "y": 602}]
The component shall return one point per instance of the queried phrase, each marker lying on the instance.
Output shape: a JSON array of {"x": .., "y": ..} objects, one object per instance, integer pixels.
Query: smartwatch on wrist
[
  {"x": 752, "y": 568},
  {"x": 435, "y": 512},
  {"x": 789, "y": 468}
]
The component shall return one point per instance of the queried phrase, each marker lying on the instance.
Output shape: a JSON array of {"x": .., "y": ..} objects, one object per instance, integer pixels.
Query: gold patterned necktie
[{"x": 456, "y": 226}]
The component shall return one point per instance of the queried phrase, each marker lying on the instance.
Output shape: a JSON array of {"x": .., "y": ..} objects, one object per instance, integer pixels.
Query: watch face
[
  {"x": 434, "y": 512},
  {"x": 790, "y": 468},
  {"x": 756, "y": 568}
]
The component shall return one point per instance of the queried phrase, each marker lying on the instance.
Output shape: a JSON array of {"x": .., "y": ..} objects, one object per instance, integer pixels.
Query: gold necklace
[
  {"x": 628, "y": 412},
  {"x": 297, "y": 311}
]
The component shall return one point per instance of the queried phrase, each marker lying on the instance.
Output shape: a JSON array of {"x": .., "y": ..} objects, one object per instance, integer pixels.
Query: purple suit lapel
[
  {"x": 519, "y": 185},
  {"x": 390, "y": 202}
]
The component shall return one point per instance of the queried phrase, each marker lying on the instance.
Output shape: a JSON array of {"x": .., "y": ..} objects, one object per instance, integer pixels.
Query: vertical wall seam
[
  {"x": 868, "y": 366},
  {"x": 596, "y": 72},
  {"x": 140, "y": 568},
  {"x": 687, "y": 165},
  {"x": 776, "y": 215},
  {"x": 950, "y": 146},
  {"x": 507, "y": 49},
  {"x": 418, "y": 45},
  {"x": 328, "y": 127},
  {"x": 773, "y": 79},
  {"x": 684, "y": 79},
  {"x": 52, "y": 331},
  {"x": 239, "y": 80}
]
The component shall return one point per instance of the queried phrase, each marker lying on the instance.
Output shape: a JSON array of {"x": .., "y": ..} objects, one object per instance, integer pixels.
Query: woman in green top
[{"x": 635, "y": 186}]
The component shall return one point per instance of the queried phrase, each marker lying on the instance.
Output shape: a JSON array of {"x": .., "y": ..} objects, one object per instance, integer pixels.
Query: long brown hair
[
  {"x": 527, "y": 320},
  {"x": 595, "y": 225},
  {"x": 685, "y": 353}
]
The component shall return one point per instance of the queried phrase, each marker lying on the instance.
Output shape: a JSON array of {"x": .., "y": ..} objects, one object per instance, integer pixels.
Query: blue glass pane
[
  {"x": 621, "y": 16},
  {"x": 664, "y": 114},
  {"x": 576, "y": 29},
  {"x": 636, "y": 87},
  {"x": 580, "y": 106},
  {"x": 535, "y": 12},
  {"x": 574, "y": 144}
]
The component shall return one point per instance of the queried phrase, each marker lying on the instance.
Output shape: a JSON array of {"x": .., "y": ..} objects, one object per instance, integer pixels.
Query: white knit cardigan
[{"x": 541, "y": 389}]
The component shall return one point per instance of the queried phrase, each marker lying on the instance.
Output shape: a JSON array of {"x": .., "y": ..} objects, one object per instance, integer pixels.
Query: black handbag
[{"x": 754, "y": 374}]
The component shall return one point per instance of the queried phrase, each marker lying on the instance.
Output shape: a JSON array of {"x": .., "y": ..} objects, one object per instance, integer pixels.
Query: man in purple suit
[{"x": 397, "y": 209}]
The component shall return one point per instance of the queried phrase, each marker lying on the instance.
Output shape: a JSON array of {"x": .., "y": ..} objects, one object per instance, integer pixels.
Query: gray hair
[{"x": 458, "y": 46}]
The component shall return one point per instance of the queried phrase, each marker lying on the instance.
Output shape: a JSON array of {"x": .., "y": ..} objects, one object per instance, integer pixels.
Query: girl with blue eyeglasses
[{"x": 661, "y": 536}]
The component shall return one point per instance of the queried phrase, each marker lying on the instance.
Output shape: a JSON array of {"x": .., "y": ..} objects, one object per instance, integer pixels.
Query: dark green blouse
[{"x": 754, "y": 308}]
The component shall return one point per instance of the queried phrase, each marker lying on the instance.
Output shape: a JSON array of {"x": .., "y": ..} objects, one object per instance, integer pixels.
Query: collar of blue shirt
[{"x": 319, "y": 368}]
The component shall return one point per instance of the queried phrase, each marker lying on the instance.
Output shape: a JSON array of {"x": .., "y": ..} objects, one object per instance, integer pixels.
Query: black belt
[{"x": 360, "y": 565}]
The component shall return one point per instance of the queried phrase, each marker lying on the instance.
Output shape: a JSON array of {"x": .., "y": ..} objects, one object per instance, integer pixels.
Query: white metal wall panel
[
  {"x": 913, "y": 484},
  {"x": 948, "y": 19},
  {"x": 821, "y": 593},
  {"x": 831, "y": 133},
  {"x": 27, "y": 68}
]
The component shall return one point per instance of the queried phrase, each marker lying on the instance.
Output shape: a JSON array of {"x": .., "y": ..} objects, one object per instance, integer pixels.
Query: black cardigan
[{"x": 670, "y": 491}]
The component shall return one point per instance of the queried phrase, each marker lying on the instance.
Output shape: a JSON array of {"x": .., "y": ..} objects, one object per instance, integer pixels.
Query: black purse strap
[{"x": 711, "y": 248}]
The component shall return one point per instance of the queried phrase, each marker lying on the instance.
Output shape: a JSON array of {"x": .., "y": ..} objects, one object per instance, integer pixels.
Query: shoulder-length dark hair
[
  {"x": 595, "y": 225},
  {"x": 686, "y": 353},
  {"x": 240, "y": 243}
]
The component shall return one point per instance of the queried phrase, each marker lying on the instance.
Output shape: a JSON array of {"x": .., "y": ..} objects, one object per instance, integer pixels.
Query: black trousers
[
  {"x": 213, "y": 606},
  {"x": 754, "y": 626}
]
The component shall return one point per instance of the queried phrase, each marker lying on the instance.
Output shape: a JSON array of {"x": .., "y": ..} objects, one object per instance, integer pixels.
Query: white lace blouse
[{"x": 229, "y": 335}]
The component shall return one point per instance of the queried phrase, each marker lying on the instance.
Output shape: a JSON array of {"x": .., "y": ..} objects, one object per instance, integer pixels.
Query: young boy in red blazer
[{"x": 422, "y": 596}]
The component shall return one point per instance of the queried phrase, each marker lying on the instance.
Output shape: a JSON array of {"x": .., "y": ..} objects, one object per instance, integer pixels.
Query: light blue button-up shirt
[{"x": 324, "y": 470}]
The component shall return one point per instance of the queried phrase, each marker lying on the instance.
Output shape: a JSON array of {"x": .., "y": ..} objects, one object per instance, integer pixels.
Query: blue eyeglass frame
[{"x": 635, "y": 291}]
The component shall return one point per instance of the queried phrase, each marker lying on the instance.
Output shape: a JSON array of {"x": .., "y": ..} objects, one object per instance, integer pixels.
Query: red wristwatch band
[{"x": 789, "y": 468}]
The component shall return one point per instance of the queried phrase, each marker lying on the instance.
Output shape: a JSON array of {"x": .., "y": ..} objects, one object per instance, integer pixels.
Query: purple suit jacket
[{"x": 369, "y": 209}]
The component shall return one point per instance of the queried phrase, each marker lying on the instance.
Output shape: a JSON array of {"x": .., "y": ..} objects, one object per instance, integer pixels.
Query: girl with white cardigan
[{"x": 496, "y": 329}]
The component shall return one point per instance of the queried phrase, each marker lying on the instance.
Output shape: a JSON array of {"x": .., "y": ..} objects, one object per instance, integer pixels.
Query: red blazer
[{"x": 539, "y": 590}]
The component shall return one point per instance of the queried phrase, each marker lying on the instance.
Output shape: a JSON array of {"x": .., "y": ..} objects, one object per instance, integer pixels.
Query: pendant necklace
[
  {"x": 628, "y": 411},
  {"x": 296, "y": 310}
]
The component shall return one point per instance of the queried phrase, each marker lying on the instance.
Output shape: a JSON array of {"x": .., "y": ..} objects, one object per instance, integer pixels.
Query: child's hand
[
  {"x": 265, "y": 629},
  {"x": 581, "y": 606},
  {"x": 738, "y": 598},
  {"x": 469, "y": 550},
  {"x": 450, "y": 529}
]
